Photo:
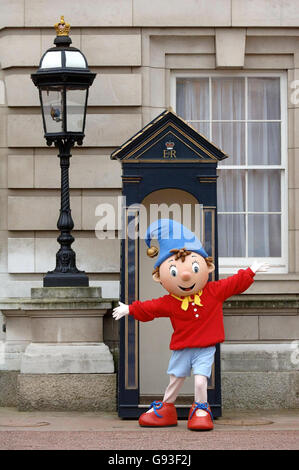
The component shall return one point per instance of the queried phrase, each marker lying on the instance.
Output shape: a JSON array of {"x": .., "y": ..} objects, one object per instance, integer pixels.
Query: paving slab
[{"x": 237, "y": 430}]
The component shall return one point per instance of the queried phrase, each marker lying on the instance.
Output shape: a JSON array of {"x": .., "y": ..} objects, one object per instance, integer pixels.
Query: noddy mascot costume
[{"x": 194, "y": 307}]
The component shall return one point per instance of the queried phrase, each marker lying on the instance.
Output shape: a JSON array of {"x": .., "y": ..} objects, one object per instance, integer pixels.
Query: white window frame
[{"x": 229, "y": 264}]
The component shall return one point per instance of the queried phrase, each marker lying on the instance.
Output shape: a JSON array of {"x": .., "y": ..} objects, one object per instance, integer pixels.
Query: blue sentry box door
[{"x": 167, "y": 153}]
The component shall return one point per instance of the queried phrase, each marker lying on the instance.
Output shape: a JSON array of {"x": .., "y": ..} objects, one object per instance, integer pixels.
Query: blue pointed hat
[{"x": 172, "y": 235}]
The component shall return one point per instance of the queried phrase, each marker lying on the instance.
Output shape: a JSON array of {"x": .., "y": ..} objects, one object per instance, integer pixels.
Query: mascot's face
[{"x": 186, "y": 277}]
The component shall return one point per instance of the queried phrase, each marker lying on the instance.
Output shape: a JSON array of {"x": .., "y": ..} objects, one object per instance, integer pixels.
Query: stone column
[{"x": 57, "y": 336}]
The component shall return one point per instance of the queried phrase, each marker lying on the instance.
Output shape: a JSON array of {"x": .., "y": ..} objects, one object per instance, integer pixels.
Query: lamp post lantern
[{"x": 63, "y": 79}]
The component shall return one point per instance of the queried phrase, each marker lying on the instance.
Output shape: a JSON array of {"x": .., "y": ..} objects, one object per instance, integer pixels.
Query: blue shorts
[{"x": 198, "y": 359}]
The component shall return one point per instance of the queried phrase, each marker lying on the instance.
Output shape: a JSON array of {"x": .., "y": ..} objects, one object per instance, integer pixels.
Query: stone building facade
[{"x": 138, "y": 50}]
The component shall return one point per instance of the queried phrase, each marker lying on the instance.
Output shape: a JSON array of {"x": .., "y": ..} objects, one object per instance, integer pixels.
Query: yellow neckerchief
[{"x": 185, "y": 300}]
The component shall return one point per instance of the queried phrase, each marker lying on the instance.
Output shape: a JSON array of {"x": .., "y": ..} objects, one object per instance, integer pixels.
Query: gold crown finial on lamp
[{"x": 62, "y": 28}]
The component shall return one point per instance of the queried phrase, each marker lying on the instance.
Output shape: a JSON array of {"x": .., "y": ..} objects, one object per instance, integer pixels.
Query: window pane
[
  {"x": 228, "y": 98},
  {"x": 263, "y": 98},
  {"x": 202, "y": 127},
  {"x": 264, "y": 143},
  {"x": 230, "y": 137},
  {"x": 264, "y": 235},
  {"x": 264, "y": 192},
  {"x": 231, "y": 191},
  {"x": 231, "y": 235},
  {"x": 192, "y": 98}
]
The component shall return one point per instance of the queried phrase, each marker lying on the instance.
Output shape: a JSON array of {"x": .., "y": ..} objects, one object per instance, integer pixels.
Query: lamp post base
[{"x": 57, "y": 279}]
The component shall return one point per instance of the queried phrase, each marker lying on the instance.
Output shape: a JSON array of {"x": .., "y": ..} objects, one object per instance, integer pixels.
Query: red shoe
[
  {"x": 159, "y": 414},
  {"x": 197, "y": 421}
]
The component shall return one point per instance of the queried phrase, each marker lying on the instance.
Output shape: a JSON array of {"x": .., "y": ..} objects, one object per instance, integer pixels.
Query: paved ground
[{"x": 277, "y": 429}]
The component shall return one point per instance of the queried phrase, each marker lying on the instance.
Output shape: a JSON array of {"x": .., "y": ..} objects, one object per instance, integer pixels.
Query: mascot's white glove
[
  {"x": 259, "y": 266},
  {"x": 121, "y": 311}
]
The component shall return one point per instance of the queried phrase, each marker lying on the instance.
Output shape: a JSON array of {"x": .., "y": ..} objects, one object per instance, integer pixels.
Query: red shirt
[{"x": 191, "y": 331}]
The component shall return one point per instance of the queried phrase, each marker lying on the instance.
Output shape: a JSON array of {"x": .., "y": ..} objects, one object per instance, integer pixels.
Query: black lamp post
[{"x": 63, "y": 79}]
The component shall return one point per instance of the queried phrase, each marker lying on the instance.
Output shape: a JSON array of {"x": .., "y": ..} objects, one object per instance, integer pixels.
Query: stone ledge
[
  {"x": 258, "y": 357},
  {"x": 67, "y": 358},
  {"x": 65, "y": 292},
  {"x": 263, "y": 301},
  {"x": 11, "y": 305},
  {"x": 67, "y": 392}
]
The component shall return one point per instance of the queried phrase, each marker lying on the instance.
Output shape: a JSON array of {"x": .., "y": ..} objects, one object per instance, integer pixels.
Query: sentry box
[{"x": 170, "y": 168}]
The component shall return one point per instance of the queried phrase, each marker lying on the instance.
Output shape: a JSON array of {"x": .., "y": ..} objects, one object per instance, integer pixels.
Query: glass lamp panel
[
  {"x": 53, "y": 109},
  {"x": 74, "y": 59},
  {"x": 51, "y": 60},
  {"x": 76, "y": 109}
]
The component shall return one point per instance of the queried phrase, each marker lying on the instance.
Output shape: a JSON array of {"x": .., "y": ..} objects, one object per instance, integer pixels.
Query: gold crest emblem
[
  {"x": 169, "y": 152},
  {"x": 62, "y": 28}
]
